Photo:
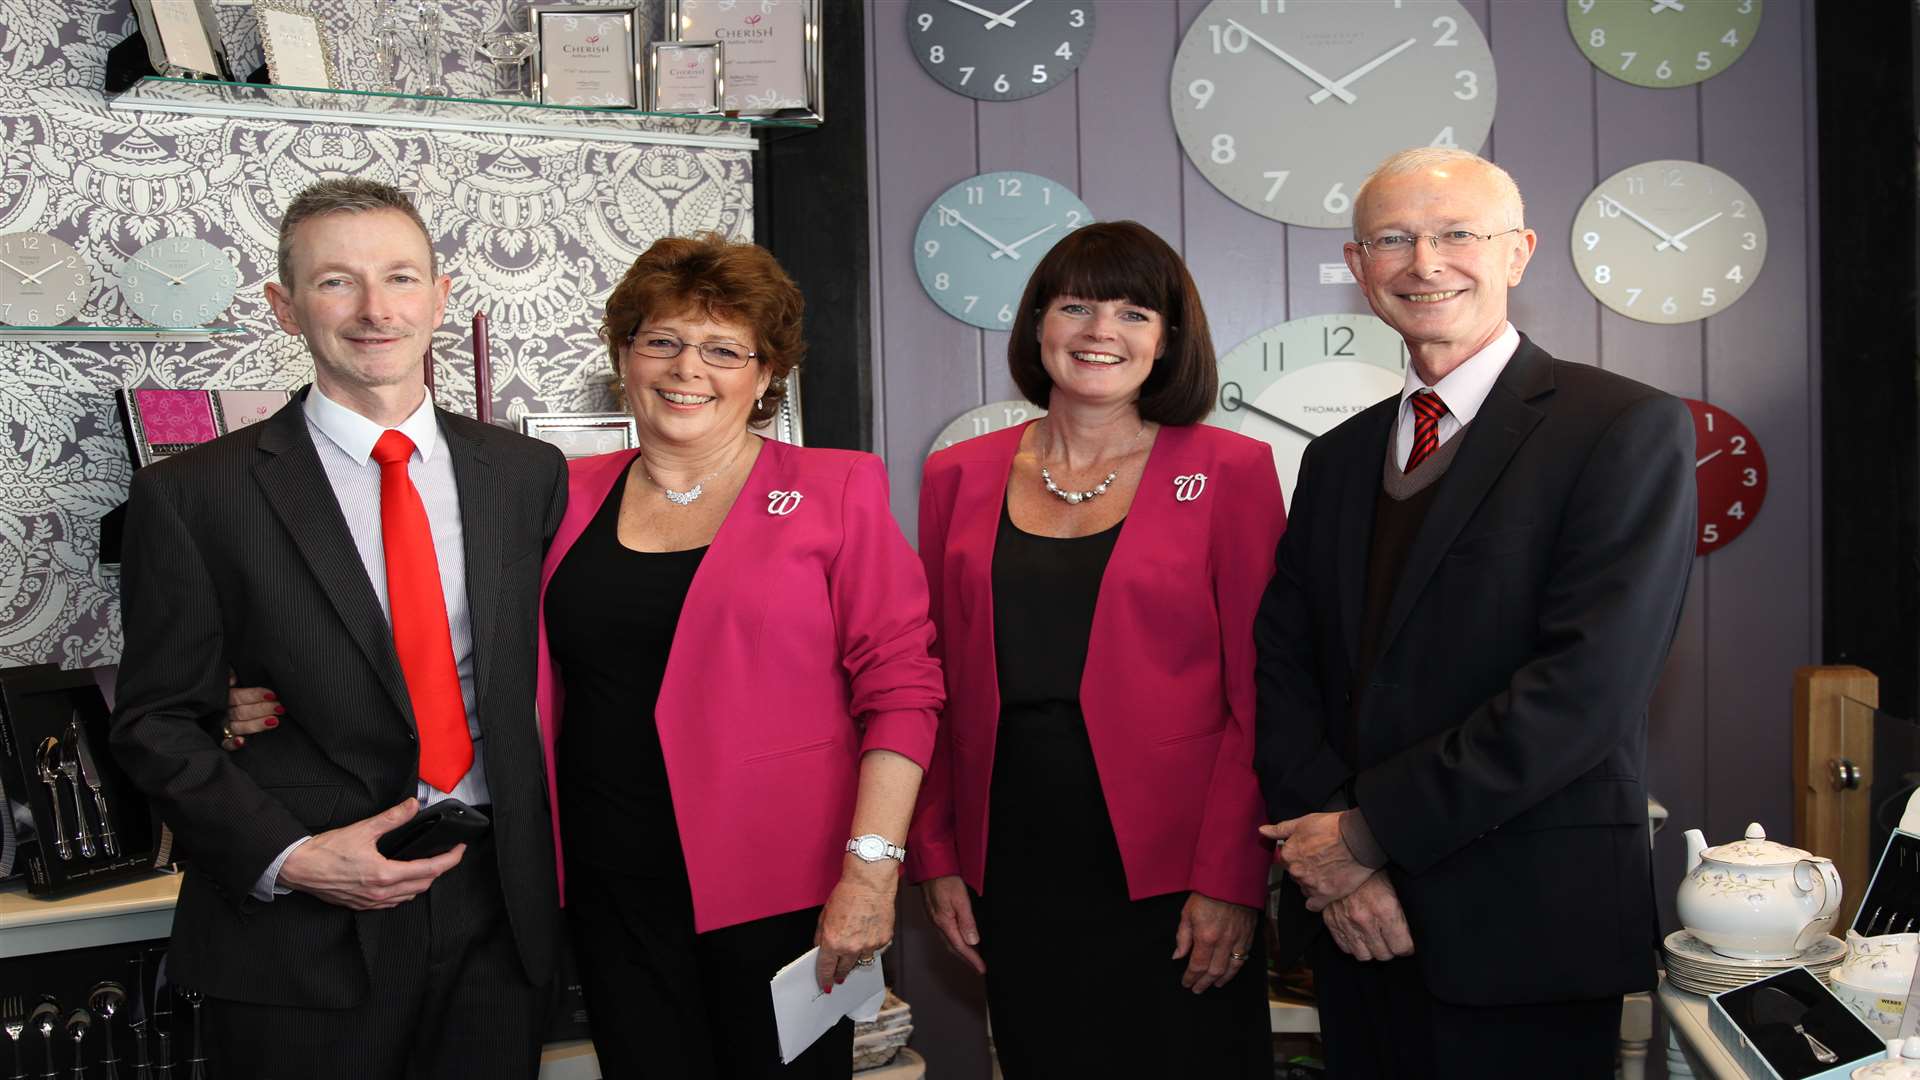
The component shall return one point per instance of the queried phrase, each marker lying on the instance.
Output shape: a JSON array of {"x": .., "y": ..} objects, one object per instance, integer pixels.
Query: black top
[{"x": 611, "y": 614}]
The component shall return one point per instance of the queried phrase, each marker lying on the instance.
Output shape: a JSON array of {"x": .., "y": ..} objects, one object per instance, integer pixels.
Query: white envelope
[{"x": 803, "y": 1013}]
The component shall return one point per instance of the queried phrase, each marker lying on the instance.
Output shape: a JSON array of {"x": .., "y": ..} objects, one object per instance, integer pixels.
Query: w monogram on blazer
[
  {"x": 1168, "y": 689},
  {"x": 804, "y": 643}
]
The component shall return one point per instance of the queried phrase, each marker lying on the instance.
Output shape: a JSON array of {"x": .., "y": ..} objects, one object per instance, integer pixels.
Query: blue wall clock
[{"x": 980, "y": 240}]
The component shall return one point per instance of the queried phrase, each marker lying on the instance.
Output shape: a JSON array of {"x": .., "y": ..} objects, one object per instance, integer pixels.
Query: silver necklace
[
  {"x": 1075, "y": 498},
  {"x": 687, "y": 497}
]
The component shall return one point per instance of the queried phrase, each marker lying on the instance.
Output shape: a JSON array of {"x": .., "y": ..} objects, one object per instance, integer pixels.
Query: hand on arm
[
  {"x": 250, "y": 711},
  {"x": 1215, "y": 937},
  {"x": 1317, "y": 857},
  {"x": 342, "y": 866},
  {"x": 1369, "y": 924}
]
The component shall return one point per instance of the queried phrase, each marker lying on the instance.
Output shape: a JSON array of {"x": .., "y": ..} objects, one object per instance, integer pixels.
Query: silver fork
[{"x": 13, "y": 1010}]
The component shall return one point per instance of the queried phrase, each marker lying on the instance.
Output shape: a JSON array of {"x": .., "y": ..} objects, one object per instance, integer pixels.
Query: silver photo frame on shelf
[
  {"x": 785, "y": 425},
  {"x": 687, "y": 77},
  {"x": 772, "y": 52},
  {"x": 582, "y": 434},
  {"x": 591, "y": 55},
  {"x": 296, "y": 45},
  {"x": 183, "y": 38}
]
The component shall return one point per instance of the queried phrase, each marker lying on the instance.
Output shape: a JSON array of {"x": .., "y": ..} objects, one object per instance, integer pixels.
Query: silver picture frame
[
  {"x": 672, "y": 86},
  {"x": 786, "y": 425},
  {"x": 760, "y": 65},
  {"x": 614, "y": 81},
  {"x": 183, "y": 38},
  {"x": 582, "y": 434},
  {"x": 296, "y": 44}
]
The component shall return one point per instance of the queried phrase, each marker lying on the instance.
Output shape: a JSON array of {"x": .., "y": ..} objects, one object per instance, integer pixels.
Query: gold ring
[
  {"x": 226, "y": 733},
  {"x": 1237, "y": 955},
  {"x": 863, "y": 961}
]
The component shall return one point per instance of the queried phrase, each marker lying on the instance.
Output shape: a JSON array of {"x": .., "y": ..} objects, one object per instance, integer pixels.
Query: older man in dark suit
[
  {"x": 1474, "y": 598},
  {"x": 376, "y": 561}
]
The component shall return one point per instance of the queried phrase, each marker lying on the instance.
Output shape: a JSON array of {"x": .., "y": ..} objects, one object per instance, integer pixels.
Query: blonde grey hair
[
  {"x": 1420, "y": 158},
  {"x": 347, "y": 195}
]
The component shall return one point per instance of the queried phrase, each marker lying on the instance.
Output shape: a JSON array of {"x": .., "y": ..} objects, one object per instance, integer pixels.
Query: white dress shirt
[
  {"x": 1464, "y": 390},
  {"x": 344, "y": 440}
]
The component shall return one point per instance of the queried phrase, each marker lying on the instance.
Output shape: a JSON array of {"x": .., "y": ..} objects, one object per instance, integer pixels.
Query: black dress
[
  {"x": 662, "y": 1000},
  {"x": 1079, "y": 980}
]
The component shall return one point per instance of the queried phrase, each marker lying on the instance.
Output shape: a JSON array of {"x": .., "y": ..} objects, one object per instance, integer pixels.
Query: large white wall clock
[
  {"x": 1292, "y": 383},
  {"x": 1000, "y": 50},
  {"x": 1662, "y": 43},
  {"x": 985, "y": 420},
  {"x": 1287, "y": 106},
  {"x": 1669, "y": 241},
  {"x": 979, "y": 241}
]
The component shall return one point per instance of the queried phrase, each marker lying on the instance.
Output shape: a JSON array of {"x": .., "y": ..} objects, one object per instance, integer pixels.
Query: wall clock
[
  {"x": 43, "y": 281},
  {"x": 1669, "y": 241},
  {"x": 1289, "y": 384},
  {"x": 979, "y": 241},
  {"x": 179, "y": 281},
  {"x": 1286, "y": 107},
  {"x": 1731, "y": 473},
  {"x": 984, "y": 420},
  {"x": 1661, "y": 43},
  {"x": 1000, "y": 50}
]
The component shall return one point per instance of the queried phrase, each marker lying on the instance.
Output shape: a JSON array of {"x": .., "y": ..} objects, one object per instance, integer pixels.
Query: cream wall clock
[
  {"x": 1669, "y": 241},
  {"x": 1287, "y": 106},
  {"x": 985, "y": 420},
  {"x": 1663, "y": 43},
  {"x": 43, "y": 280}
]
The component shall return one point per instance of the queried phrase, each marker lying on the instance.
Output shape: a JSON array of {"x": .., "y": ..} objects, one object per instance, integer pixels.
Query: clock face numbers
[
  {"x": 1730, "y": 472},
  {"x": 980, "y": 240},
  {"x": 1287, "y": 105},
  {"x": 1292, "y": 383},
  {"x": 179, "y": 281},
  {"x": 43, "y": 281},
  {"x": 1669, "y": 241},
  {"x": 985, "y": 420},
  {"x": 1000, "y": 50},
  {"x": 1663, "y": 43}
]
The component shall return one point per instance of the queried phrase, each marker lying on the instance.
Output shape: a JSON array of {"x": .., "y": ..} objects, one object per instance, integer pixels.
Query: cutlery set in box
[{"x": 101, "y": 1013}]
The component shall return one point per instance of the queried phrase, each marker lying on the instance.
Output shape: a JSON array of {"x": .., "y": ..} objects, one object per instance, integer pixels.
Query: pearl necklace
[
  {"x": 1075, "y": 498},
  {"x": 687, "y": 497}
]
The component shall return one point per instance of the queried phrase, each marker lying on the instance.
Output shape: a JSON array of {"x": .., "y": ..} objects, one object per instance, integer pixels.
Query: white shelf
[
  {"x": 1292, "y": 1017},
  {"x": 116, "y": 333},
  {"x": 133, "y": 911}
]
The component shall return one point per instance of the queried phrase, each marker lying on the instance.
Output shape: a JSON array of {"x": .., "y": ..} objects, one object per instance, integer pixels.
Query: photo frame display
[
  {"x": 582, "y": 434},
  {"x": 296, "y": 45},
  {"x": 686, "y": 76},
  {"x": 163, "y": 422},
  {"x": 589, "y": 55},
  {"x": 772, "y": 52},
  {"x": 183, "y": 36}
]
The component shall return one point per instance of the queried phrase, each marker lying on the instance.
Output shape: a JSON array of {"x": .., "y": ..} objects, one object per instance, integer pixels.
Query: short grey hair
[
  {"x": 1420, "y": 158},
  {"x": 347, "y": 195}
]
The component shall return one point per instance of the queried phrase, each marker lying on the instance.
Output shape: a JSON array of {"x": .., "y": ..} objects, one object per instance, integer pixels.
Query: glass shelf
[
  {"x": 205, "y": 97},
  {"x": 71, "y": 332}
]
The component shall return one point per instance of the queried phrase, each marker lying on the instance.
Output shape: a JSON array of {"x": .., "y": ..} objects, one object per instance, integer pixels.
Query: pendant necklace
[
  {"x": 687, "y": 497},
  {"x": 1075, "y": 498}
]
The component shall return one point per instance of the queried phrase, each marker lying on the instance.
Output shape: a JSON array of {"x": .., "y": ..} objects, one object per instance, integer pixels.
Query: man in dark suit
[
  {"x": 377, "y": 562},
  {"x": 1473, "y": 600}
]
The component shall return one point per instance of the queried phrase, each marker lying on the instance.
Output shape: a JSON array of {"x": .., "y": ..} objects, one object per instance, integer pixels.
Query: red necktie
[
  {"x": 419, "y": 614},
  {"x": 1427, "y": 411}
]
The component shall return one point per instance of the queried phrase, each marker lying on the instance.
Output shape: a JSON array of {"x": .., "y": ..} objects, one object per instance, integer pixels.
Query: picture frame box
[
  {"x": 296, "y": 45},
  {"x": 183, "y": 34},
  {"x": 583, "y": 434},
  {"x": 589, "y": 78},
  {"x": 771, "y": 44},
  {"x": 674, "y": 68}
]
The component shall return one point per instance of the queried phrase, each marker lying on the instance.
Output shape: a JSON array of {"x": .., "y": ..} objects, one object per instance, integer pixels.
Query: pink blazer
[
  {"x": 1168, "y": 691},
  {"x": 803, "y": 644}
]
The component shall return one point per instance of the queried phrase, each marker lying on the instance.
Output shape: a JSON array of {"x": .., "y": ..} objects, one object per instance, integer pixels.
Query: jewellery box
[{"x": 1790, "y": 1027}]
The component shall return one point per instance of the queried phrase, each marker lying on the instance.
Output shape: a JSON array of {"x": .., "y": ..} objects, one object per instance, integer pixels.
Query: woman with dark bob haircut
[{"x": 1094, "y": 576}]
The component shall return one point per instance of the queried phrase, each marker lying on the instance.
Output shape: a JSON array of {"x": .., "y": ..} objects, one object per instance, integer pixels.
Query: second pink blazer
[{"x": 1168, "y": 688}]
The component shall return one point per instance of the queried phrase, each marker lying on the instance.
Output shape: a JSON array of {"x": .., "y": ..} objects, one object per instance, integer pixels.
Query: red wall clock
[{"x": 1731, "y": 472}]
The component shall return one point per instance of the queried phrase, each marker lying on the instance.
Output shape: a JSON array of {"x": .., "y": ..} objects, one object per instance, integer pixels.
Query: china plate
[{"x": 1691, "y": 951}]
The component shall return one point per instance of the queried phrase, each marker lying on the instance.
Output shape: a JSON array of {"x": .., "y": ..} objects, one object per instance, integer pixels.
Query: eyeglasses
[
  {"x": 1398, "y": 247},
  {"x": 664, "y": 346}
]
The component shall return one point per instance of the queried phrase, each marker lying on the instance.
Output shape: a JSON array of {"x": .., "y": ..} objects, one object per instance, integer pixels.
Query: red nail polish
[
  {"x": 271, "y": 696},
  {"x": 829, "y": 989},
  {"x": 279, "y": 710},
  {"x": 272, "y": 722}
]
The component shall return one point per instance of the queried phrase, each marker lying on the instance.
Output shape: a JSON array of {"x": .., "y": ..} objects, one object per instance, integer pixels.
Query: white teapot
[{"x": 1756, "y": 899}]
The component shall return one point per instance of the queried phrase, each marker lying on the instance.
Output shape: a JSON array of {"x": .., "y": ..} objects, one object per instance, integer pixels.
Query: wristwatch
[{"x": 873, "y": 847}]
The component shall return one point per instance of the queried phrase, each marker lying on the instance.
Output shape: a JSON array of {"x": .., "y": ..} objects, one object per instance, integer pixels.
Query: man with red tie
[{"x": 374, "y": 560}]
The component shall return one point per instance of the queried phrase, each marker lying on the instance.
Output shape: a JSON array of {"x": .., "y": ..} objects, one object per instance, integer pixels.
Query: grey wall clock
[
  {"x": 1286, "y": 107},
  {"x": 179, "y": 281},
  {"x": 1669, "y": 241},
  {"x": 43, "y": 280},
  {"x": 1662, "y": 43},
  {"x": 979, "y": 241},
  {"x": 1000, "y": 50}
]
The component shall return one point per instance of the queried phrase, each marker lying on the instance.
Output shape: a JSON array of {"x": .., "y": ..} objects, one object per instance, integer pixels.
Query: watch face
[
  {"x": 1000, "y": 50},
  {"x": 179, "y": 281},
  {"x": 872, "y": 848},
  {"x": 1292, "y": 383},
  {"x": 43, "y": 281},
  {"x": 1669, "y": 241},
  {"x": 1286, "y": 107},
  {"x": 1730, "y": 472},
  {"x": 978, "y": 242},
  {"x": 1662, "y": 43},
  {"x": 984, "y": 419}
]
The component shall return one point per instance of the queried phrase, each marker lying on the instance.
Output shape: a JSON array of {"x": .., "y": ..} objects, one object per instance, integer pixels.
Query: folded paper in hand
[{"x": 804, "y": 1014}]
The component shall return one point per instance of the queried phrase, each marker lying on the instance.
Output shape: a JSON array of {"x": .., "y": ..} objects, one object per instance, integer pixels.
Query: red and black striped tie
[{"x": 1427, "y": 411}]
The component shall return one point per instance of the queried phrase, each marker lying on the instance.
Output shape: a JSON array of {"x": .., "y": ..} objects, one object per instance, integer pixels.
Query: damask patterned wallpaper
[{"x": 534, "y": 231}]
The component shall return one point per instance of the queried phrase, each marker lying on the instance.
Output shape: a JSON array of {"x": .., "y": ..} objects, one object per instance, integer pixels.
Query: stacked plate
[{"x": 1697, "y": 969}]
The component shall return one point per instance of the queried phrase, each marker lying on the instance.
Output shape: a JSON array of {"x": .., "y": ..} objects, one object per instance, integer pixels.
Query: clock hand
[
  {"x": 17, "y": 270},
  {"x": 1321, "y": 95},
  {"x": 992, "y": 19},
  {"x": 1256, "y": 410},
  {"x": 1651, "y": 227},
  {"x": 1663, "y": 5},
  {"x": 182, "y": 279},
  {"x": 1005, "y": 18},
  {"x": 1709, "y": 457},
  {"x": 1687, "y": 232},
  {"x": 1015, "y": 246},
  {"x": 1002, "y": 249},
  {"x": 1326, "y": 84}
]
